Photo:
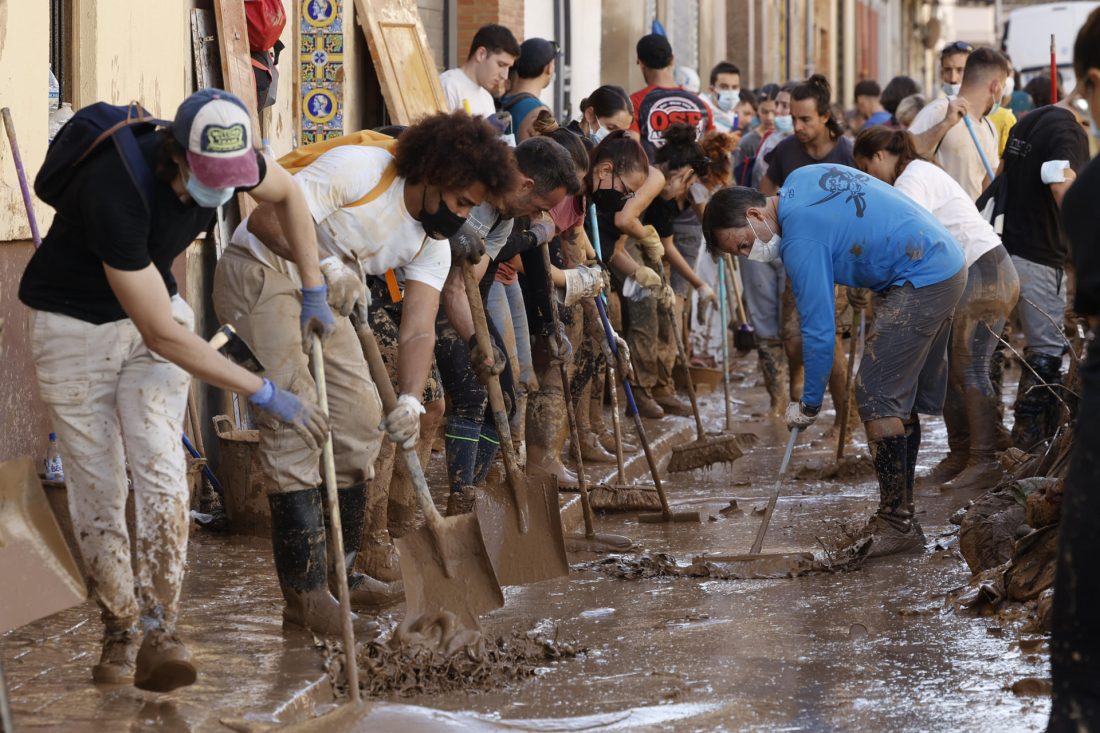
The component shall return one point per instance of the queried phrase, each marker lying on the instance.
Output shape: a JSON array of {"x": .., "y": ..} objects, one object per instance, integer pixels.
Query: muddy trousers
[
  {"x": 114, "y": 403},
  {"x": 471, "y": 437},
  {"x": 970, "y": 410},
  {"x": 1075, "y": 636}
]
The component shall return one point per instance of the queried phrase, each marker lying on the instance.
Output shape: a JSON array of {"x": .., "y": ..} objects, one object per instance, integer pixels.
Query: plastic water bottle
[
  {"x": 55, "y": 91},
  {"x": 54, "y": 469},
  {"x": 59, "y": 117}
]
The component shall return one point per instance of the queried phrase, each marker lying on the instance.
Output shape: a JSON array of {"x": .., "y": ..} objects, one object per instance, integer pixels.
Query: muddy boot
[
  {"x": 460, "y": 501},
  {"x": 983, "y": 470},
  {"x": 670, "y": 402},
  {"x": 912, "y": 449},
  {"x": 298, "y": 542},
  {"x": 592, "y": 451},
  {"x": 163, "y": 663},
  {"x": 647, "y": 406},
  {"x": 120, "y": 647},
  {"x": 546, "y": 435},
  {"x": 997, "y": 377},
  {"x": 773, "y": 365},
  {"x": 1037, "y": 407},
  {"x": 364, "y": 589},
  {"x": 892, "y": 529}
]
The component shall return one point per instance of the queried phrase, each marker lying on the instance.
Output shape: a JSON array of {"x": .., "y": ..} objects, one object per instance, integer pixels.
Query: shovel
[
  {"x": 523, "y": 521},
  {"x": 589, "y": 541},
  {"x": 444, "y": 564},
  {"x": 756, "y": 563},
  {"x": 744, "y": 338}
]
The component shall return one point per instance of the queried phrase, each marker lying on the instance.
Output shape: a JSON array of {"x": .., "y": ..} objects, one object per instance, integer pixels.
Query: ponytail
[{"x": 817, "y": 88}]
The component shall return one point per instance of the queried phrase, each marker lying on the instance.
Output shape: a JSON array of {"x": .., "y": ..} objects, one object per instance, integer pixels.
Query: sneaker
[
  {"x": 116, "y": 661},
  {"x": 163, "y": 663},
  {"x": 888, "y": 539}
]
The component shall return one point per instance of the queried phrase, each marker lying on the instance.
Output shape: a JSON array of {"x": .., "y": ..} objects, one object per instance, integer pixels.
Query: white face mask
[
  {"x": 1010, "y": 87},
  {"x": 727, "y": 99},
  {"x": 951, "y": 90},
  {"x": 784, "y": 123},
  {"x": 600, "y": 133},
  {"x": 764, "y": 251}
]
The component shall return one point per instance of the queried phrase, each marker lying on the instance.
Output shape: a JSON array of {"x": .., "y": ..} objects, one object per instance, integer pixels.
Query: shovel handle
[
  {"x": 766, "y": 520},
  {"x": 496, "y": 397},
  {"x": 736, "y": 294},
  {"x": 336, "y": 538},
  {"x": 723, "y": 308}
]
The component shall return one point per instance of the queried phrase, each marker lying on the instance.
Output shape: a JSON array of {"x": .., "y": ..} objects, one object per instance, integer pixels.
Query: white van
[{"x": 1027, "y": 39}]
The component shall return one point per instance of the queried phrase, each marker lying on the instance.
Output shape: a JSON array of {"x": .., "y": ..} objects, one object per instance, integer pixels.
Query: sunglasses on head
[{"x": 956, "y": 47}]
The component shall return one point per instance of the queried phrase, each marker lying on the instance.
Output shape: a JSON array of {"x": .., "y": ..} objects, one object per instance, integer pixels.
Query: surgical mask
[
  {"x": 727, "y": 99},
  {"x": 784, "y": 123},
  {"x": 600, "y": 133},
  {"x": 1010, "y": 87},
  {"x": 764, "y": 251},
  {"x": 205, "y": 196},
  {"x": 992, "y": 110},
  {"x": 443, "y": 224},
  {"x": 951, "y": 90}
]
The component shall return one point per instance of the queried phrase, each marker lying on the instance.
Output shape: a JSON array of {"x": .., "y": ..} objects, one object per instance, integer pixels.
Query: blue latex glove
[
  {"x": 305, "y": 418},
  {"x": 316, "y": 316}
]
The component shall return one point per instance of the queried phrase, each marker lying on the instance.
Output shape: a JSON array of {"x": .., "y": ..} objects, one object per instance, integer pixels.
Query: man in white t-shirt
[
  {"x": 939, "y": 136},
  {"x": 483, "y": 76},
  {"x": 374, "y": 212}
]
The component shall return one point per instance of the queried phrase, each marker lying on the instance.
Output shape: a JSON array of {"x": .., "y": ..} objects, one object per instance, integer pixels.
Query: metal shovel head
[
  {"x": 36, "y": 568},
  {"x": 523, "y": 557},
  {"x": 471, "y": 590}
]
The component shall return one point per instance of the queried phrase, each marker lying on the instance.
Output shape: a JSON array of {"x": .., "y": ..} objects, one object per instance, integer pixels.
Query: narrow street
[{"x": 876, "y": 648}]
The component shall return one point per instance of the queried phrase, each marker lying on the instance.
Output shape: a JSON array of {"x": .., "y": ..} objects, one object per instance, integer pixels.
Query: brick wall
[{"x": 473, "y": 14}]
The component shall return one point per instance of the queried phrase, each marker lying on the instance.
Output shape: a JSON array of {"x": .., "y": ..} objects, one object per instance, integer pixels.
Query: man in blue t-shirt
[{"x": 832, "y": 224}]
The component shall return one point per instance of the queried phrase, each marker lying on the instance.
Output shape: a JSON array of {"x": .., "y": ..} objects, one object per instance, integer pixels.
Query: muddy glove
[
  {"x": 642, "y": 284},
  {"x": 859, "y": 298},
  {"x": 560, "y": 347},
  {"x": 402, "y": 425},
  {"x": 582, "y": 282},
  {"x": 706, "y": 299},
  {"x": 345, "y": 287},
  {"x": 542, "y": 230},
  {"x": 622, "y": 361},
  {"x": 800, "y": 416},
  {"x": 305, "y": 418},
  {"x": 466, "y": 246},
  {"x": 316, "y": 317},
  {"x": 666, "y": 297},
  {"x": 651, "y": 245},
  {"x": 479, "y": 360}
]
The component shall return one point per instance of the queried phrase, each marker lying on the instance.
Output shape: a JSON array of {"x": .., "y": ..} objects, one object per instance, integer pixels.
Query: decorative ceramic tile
[{"x": 320, "y": 63}]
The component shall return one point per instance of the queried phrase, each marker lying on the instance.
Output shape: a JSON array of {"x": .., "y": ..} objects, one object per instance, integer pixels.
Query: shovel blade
[
  {"x": 521, "y": 557},
  {"x": 34, "y": 557},
  {"x": 473, "y": 589}
]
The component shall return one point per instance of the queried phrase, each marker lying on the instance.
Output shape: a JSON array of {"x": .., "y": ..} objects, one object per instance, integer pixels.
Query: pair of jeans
[{"x": 508, "y": 312}]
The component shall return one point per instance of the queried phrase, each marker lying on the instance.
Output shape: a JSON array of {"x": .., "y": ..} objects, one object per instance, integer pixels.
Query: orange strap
[{"x": 395, "y": 289}]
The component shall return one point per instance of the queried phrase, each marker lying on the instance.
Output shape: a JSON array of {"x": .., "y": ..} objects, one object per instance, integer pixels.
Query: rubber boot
[
  {"x": 670, "y": 402},
  {"x": 1037, "y": 407},
  {"x": 488, "y": 446},
  {"x": 364, "y": 590},
  {"x": 163, "y": 662},
  {"x": 647, "y": 406},
  {"x": 546, "y": 435},
  {"x": 462, "y": 439},
  {"x": 958, "y": 443},
  {"x": 591, "y": 450},
  {"x": 997, "y": 378},
  {"x": 773, "y": 366},
  {"x": 378, "y": 557},
  {"x": 601, "y": 426},
  {"x": 982, "y": 471},
  {"x": 892, "y": 530},
  {"x": 912, "y": 449},
  {"x": 298, "y": 543},
  {"x": 121, "y": 638}
]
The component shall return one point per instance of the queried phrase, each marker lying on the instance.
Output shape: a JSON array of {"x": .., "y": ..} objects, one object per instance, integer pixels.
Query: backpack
[
  {"x": 84, "y": 134},
  {"x": 266, "y": 20}
]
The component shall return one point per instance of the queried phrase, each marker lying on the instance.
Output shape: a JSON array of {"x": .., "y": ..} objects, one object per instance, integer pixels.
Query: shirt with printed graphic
[{"x": 656, "y": 108}]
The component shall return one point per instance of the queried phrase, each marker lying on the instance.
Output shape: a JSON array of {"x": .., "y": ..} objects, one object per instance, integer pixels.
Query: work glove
[
  {"x": 345, "y": 287},
  {"x": 402, "y": 425},
  {"x": 666, "y": 297},
  {"x": 582, "y": 282},
  {"x": 561, "y": 349},
  {"x": 707, "y": 300},
  {"x": 651, "y": 245},
  {"x": 800, "y": 416},
  {"x": 542, "y": 229},
  {"x": 305, "y": 418},
  {"x": 479, "y": 360},
  {"x": 859, "y": 298},
  {"x": 316, "y": 317},
  {"x": 621, "y": 362},
  {"x": 466, "y": 246}
]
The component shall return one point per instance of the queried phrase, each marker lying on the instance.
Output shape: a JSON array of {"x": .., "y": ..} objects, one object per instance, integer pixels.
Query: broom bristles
[
  {"x": 705, "y": 452},
  {"x": 615, "y": 498}
]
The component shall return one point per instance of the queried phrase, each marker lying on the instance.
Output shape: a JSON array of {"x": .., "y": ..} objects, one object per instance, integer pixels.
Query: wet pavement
[{"x": 871, "y": 649}]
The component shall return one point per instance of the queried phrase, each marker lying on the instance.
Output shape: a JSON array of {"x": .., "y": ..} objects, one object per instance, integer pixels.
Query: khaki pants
[
  {"x": 114, "y": 402},
  {"x": 264, "y": 306},
  {"x": 649, "y": 335}
]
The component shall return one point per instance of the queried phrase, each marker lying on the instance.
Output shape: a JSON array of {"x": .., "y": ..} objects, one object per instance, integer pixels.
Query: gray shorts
[
  {"x": 688, "y": 239},
  {"x": 904, "y": 366},
  {"x": 1044, "y": 287}
]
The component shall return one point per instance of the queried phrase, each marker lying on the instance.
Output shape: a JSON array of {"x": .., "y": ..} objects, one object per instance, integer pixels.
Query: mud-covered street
[{"x": 876, "y": 648}]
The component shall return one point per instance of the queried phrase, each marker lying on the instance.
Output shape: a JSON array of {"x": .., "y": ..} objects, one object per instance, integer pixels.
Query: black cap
[
  {"x": 655, "y": 51},
  {"x": 534, "y": 55}
]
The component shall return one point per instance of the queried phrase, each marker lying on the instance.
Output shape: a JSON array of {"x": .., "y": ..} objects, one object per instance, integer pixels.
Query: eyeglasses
[{"x": 956, "y": 47}]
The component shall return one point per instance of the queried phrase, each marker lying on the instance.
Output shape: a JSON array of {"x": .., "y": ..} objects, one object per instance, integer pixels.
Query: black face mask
[
  {"x": 443, "y": 224},
  {"x": 609, "y": 201}
]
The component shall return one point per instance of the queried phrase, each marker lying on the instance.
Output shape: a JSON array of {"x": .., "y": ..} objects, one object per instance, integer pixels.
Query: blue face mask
[
  {"x": 600, "y": 133},
  {"x": 206, "y": 197},
  {"x": 784, "y": 123},
  {"x": 727, "y": 98},
  {"x": 951, "y": 90}
]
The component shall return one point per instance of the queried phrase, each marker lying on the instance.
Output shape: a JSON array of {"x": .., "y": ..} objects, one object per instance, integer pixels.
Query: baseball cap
[
  {"x": 534, "y": 55},
  {"x": 655, "y": 51},
  {"x": 215, "y": 129}
]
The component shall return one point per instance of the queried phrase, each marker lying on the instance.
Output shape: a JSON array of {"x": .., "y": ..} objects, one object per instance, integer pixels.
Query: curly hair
[
  {"x": 454, "y": 151},
  {"x": 718, "y": 146}
]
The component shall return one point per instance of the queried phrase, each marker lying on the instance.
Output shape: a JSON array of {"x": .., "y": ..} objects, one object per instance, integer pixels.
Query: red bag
[{"x": 266, "y": 20}]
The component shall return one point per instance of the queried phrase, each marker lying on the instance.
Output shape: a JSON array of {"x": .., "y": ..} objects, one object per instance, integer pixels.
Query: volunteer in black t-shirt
[
  {"x": 1044, "y": 150},
  {"x": 1075, "y": 635},
  {"x": 114, "y": 350}
]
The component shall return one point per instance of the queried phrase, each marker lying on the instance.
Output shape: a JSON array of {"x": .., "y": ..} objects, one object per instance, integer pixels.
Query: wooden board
[
  {"x": 402, "y": 58},
  {"x": 237, "y": 76},
  {"x": 204, "y": 48}
]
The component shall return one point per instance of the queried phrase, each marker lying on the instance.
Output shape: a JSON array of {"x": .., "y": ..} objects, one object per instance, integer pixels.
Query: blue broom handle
[{"x": 978, "y": 145}]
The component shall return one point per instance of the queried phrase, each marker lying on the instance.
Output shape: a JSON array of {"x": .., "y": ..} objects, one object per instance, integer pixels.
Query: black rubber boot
[
  {"x": 298, "y": 543},
  {"x": 363, "y": 589},
  {"x": 912, "y": 448},
  {"x": 1037, "y": 408},
  {"x": 892, "y": 528}
]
